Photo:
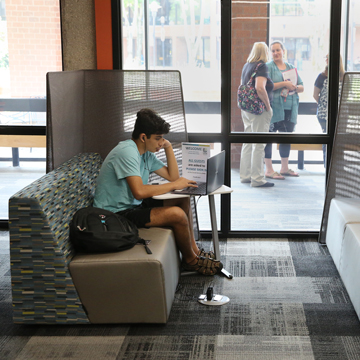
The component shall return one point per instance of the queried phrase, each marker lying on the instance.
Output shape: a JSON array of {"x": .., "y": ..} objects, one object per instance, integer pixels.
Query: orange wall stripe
[{"x": 104, "y": 50}]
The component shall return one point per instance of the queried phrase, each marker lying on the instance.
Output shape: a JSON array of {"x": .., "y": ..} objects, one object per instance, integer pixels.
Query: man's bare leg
[
  {"x": 176, "y": 218},
  {"x": 185, "y": 204}
]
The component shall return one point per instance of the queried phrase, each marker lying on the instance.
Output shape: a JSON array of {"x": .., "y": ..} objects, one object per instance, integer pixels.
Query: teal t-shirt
[{"x": 112, "y": 190}]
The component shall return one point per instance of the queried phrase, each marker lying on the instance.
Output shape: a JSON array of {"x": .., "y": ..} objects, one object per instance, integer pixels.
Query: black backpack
[{"x": 95, "y": 230}]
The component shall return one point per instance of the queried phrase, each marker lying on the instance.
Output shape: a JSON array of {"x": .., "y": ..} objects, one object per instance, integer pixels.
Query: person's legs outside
[
  {"x": 324, "y": 154},
  {"x": 323, "y": 124},
  {"x": 284, "y": 149},
  {"x": 246, "y": 150},
  {"x": 260, "y": 123},
  {"x": 269, "y": 170}
]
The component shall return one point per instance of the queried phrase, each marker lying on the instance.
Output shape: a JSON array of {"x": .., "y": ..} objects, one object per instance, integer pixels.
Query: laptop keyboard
[{"x": 201, "y": 188}]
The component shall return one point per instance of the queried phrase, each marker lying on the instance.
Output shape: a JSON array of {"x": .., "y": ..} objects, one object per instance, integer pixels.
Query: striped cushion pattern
[{"x": 40, "y": 250}]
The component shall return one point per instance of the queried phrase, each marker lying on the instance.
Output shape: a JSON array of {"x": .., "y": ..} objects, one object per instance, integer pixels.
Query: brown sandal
[
  {"x": 204, "y": 266},
  {"x": 206, "y": 254}
]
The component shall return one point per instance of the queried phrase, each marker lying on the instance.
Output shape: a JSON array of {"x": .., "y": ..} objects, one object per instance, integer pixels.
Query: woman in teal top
[{"x": 285, "y": 109}]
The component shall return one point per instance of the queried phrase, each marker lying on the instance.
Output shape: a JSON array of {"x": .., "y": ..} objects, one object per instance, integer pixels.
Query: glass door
[{"x": 292, "y": 167}]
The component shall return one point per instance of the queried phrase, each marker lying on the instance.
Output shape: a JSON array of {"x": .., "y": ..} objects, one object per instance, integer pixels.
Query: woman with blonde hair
[{"x": 252, "y": 155}]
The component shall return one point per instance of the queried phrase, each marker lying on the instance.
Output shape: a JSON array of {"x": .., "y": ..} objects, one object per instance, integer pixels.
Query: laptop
[{"x": 215, "y": 174}]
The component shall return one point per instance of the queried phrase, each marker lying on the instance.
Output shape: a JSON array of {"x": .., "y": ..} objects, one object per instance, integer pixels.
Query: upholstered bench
[
  {"x": 51, "y": 284},
  {"x": 343, "y": 242},
  {"x": 129, "y": 286},
  {"x": 350, "y": 264},
  {"x": 343, "y": 211}
]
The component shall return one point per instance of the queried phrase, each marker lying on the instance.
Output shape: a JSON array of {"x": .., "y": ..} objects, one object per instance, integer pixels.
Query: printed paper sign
[
  {"x": 194, "y": 161},
  {"x": 291, "y": 75}
]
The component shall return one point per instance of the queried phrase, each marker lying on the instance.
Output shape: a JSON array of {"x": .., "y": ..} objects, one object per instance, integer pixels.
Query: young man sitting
[{"x": 122, "y": 187}]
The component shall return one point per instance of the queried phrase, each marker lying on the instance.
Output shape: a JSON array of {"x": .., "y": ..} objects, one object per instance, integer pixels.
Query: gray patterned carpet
[{"x": 286, "y": 302}]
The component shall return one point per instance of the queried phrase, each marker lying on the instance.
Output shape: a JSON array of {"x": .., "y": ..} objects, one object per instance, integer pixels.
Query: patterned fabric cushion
[
  {"x": 62, "y": 192},
  {"x": 40, "y": 250}
]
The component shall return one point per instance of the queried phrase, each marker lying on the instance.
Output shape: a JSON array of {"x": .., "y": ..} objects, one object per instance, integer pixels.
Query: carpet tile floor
[{"x": 287, "y": 302}]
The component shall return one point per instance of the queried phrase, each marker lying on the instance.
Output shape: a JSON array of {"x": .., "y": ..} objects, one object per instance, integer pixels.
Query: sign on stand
[{"x": 194, "y": 161}]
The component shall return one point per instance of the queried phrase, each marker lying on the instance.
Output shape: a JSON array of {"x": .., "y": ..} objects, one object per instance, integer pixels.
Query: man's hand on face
[{"x": 166, "y": 144}]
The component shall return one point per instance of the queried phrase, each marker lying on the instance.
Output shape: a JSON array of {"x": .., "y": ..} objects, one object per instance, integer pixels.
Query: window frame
[{"x": 225, "y": 137}]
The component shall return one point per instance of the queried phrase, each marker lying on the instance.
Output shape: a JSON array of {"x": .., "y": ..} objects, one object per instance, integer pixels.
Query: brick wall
[
  {"x": 249, "y": 25},
  {"x": 34, "y": 43}
]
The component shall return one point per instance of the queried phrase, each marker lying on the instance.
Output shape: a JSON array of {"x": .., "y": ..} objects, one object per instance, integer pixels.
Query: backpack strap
[
  {"x": 145, "y": 243},
  {"x": 253, "y": 74}
]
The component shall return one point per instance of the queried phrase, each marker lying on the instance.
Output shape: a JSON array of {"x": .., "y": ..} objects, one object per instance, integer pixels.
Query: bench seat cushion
[
  {"x": 350, "y": 264},
  {"x": 342, "y": 211},
  {"x": 129, "y": 286}
]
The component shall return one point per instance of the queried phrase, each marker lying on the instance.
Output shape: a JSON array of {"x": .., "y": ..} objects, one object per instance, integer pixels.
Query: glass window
[
  {"x": 306, "y": 45},
  {"x": 353, "y": 40},
  {"x": 181, "y": 35},
  {"x": 293, "y": 204},
  {"x": 303, "y": 27},
  {"x": 163, "y": 52},
  {"x": 22, "y": 117},
  {"x": 287, "y": 8},
  {"x": 133, "y": 42},
  {"x": 30, "y": 46},
  {"x": 283, "y": 203}
]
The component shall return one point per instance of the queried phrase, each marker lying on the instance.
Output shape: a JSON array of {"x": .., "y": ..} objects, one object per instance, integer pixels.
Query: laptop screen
[{"x": 215, "y": 174}]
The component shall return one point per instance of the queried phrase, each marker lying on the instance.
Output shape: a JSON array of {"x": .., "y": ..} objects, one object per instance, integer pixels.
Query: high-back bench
[
  {"x": 88, "y": 113},
  {"x": 51, "y": 284},
  {"x": 340, "y": 227}
]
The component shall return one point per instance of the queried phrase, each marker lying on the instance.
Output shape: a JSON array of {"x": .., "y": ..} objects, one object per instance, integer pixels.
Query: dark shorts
[{"x": 140, "y": 215}]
